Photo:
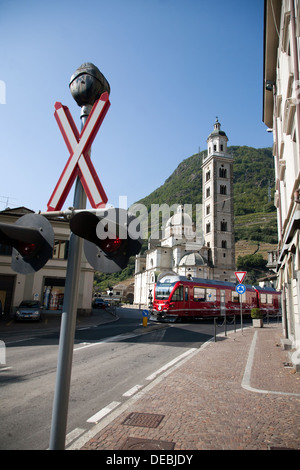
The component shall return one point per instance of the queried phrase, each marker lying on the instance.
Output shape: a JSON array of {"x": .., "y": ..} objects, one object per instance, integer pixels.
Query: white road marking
[
  {"x": 107, "y": 340},
  {"x": 74, "y": 435},
  {"x": 132, "y": 391},
  {"x": 101, "y": 413}
]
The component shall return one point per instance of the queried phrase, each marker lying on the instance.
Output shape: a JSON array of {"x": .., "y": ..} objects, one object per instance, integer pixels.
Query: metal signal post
[{"x": 87, "y": 84}]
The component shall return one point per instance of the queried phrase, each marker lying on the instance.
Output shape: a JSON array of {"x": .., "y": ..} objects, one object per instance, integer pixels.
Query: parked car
[
  {"x": 29, "y": 310},
  {"x": 99, "y": 303}
]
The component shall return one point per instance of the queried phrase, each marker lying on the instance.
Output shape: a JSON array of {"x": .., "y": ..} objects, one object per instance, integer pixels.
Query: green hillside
[
  {"x": 255, "y": 215},
  {"x": 253, "y": 173}
]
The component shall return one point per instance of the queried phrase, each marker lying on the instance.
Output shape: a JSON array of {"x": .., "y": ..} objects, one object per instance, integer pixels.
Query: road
[{"x": 111, "y": 362}]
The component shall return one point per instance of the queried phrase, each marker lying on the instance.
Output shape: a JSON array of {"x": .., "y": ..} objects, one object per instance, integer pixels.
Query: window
[
  {"x": 224, "y": 244},
  {"x": 60, "y": 249},
  {"x": 163, "y": 290},
  {"x": 207, "y": 209},
  {"x": 211, "y": 295},
  {"x": 208, "y": 228},
  {"x": 269, "y": 299},
  {"x": 221, "y": 147},
  {"x": 178, "y": 295},
  {"x": 223, "y": 226},
  {"x": 5, "y": 250},
  {"x": 207, "y": 192},
  {"x": 234, "y": 297},
  {"x": 207, "y": 175},
  {"x": 222, "y": 172},
  {"x": 199, "y": 294},
  {"x": 263, "y": 298},
  {"x": 223, "y": 189},
  {"x": 215, "y": 148}
]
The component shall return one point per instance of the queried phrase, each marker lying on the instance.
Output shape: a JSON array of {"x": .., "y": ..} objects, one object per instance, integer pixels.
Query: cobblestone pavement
[{"x": 237, "y": 393}]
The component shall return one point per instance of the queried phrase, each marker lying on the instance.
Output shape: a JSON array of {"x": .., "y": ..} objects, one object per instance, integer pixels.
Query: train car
[{"x": 178, "y": 297}]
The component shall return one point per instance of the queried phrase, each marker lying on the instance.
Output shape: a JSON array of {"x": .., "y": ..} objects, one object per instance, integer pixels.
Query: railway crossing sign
[
  {"x": 241, "y": 289},
  {"x": 79, "y": 162},
  {"x": 240, "y": 275}
]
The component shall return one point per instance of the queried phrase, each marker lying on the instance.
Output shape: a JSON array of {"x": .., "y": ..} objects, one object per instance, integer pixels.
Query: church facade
[{"x": 208, "y": 253}]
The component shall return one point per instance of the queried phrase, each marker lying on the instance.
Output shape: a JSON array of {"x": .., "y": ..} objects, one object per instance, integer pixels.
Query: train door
[
  {"x": 186, "y": 301},
  {"x": 222, "y": 302}
]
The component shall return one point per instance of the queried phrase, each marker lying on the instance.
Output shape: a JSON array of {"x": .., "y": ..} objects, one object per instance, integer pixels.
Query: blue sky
[{"x": 172, "y": 65}]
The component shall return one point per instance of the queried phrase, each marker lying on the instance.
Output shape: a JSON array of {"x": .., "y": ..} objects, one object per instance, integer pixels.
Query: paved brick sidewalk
[{"x": 233, "y": 394}]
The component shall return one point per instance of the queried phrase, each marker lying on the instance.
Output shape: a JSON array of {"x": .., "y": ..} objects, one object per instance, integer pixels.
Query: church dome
[
  {"x": 217, "y": 130},
  {"x": 192, "y": 259},
  {"x": 180, "y": 218}
]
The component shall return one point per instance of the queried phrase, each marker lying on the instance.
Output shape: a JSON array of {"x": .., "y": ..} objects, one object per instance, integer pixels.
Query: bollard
[{"x": 145, "y": 317}]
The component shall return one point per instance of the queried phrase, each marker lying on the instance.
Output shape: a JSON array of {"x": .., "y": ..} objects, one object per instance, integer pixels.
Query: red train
[{"x": 178, "y": 297}]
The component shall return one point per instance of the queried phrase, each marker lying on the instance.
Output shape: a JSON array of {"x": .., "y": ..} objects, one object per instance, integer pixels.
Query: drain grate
[
  {"x": 135, "y": 443},
  {"x": 146, "y": 420}
]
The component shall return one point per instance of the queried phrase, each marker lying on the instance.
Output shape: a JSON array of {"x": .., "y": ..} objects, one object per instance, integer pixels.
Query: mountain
[
  {"x": 255, "y": 217},
  {"x": 253, "y": 170}
]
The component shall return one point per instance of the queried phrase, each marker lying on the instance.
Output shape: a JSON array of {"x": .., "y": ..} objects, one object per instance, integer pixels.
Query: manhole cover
[
  {"x": 146, "y": 420},
  {"x": 135, "y": 443}
]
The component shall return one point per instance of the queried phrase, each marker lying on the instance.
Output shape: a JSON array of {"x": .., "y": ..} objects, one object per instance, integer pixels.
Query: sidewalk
[{"x": 237, "y": 393}]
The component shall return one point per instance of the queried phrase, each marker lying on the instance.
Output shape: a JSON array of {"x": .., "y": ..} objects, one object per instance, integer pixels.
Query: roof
[
  {"x": 217, "y": 130},
  {"x": 192, "y": 259}
]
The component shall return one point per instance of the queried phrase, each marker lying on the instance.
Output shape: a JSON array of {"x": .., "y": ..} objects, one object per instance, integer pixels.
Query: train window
[
  {"x": 234, "y": 297},
  {"x": 163, "y": 291},
  {"x": 263, "y": 298},
  {"x": 199, "y": 294},
  {"x": 269, "y": 298},
  {"x": 211, "y": 295},
  {"x": 178, "y": 294}
]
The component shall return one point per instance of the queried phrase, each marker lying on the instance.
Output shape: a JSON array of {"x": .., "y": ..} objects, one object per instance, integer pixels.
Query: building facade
[
  {"x": 208, "y": 253},
  {"x": 281, "y": 114},
  {"x": 46, "y": 285}
]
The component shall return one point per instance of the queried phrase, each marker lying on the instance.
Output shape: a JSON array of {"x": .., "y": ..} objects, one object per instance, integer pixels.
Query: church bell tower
[{"x": 218, "y": 216}]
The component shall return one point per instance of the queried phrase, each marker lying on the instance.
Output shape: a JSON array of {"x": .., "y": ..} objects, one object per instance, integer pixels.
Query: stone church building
[{"x": 210, "y": 255}]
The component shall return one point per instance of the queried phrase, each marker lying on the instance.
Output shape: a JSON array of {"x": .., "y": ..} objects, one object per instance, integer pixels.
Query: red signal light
[
  {"x": 111, "y": 245},
  {"x": 26, "y": 249}
]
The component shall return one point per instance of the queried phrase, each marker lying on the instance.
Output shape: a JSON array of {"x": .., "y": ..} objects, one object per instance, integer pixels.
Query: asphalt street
[{"x": 112, "y": 358}]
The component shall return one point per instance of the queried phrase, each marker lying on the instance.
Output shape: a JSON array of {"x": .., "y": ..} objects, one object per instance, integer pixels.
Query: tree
[{"x": 255, "y": 265}]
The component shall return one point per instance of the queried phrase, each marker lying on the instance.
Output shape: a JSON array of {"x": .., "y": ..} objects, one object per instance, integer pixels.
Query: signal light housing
[
  {"x": 110, "y": 238},
  {"x": 32, "y": 239}
]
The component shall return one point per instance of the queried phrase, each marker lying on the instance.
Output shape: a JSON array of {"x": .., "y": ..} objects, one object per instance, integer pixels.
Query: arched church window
[
  {"x": 223, "y": 226},
  {"x": 222, "y": 172},
  {"x": 223, "y": 189}
]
